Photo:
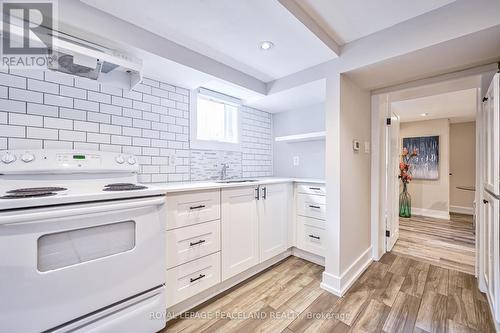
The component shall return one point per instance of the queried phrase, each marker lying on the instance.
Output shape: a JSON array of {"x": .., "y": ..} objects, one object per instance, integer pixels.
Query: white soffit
[
  {"x": 457, "y": 106},
  {"x": 228, "y": 31},
  {"x": 298, "y": 97},
  {"x": 348, "y": 20}
]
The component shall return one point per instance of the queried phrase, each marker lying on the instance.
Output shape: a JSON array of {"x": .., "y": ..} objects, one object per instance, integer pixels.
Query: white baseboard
[
  {"x": 314, "y": 258},
  {"x": 338, "y": 285},
  {"x": 462, "y": 210},
  {"x": 437, "y": 214}
]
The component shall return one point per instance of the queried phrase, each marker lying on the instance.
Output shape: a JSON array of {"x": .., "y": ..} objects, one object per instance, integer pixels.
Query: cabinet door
[
  {"x": 491, "y": 109},
  {"x": 240, "y": 230},
  {"x": 274, "y": 218},
  {"x": 491, "y": 250}
]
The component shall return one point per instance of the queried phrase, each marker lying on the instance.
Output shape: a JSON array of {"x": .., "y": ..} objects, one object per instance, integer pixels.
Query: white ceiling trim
[{"x": 311, "y": 24}]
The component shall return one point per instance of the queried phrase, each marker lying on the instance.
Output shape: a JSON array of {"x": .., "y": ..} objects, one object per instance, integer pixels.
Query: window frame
[{"x": 193, "y": 122}]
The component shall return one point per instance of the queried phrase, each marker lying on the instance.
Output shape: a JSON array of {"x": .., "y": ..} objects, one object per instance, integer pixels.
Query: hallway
[{"x": 447, "y": 244}]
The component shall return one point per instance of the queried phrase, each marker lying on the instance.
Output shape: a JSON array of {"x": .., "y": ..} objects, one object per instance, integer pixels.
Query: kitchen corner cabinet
[{"x": 254, "y": 225}]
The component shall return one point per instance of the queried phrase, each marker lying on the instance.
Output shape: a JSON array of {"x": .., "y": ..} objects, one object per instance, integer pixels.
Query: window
[{"x": 214, "y": 121}]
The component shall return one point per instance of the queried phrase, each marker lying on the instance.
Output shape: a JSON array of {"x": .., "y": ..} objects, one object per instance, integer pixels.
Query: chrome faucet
[{"x": 223, "y": 171}]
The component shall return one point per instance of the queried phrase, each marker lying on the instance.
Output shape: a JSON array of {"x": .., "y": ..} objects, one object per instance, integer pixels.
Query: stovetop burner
[
  {"x": 123, "y": 187},
  {"x": 38, "y": 189},
  {"x": 25, "y": 194}
]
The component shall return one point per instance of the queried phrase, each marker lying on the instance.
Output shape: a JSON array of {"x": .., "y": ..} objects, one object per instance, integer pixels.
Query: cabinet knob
[{"x": 485, "y": 201}]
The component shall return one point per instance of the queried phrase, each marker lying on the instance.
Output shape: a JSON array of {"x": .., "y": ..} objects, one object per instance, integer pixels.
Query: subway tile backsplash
[{"x": 45, "y": 109}]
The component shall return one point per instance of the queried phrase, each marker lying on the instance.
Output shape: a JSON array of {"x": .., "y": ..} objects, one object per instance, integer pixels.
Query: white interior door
[{"x": 393, "y": 150}]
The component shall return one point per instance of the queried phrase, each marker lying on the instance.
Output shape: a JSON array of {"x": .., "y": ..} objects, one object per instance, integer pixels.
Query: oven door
[{"x": 61, "y": 263}]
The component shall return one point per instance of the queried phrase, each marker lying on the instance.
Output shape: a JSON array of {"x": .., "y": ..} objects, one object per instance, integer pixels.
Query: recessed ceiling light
[
  {"x": 266, "y": 45},
  {"x": 424, "y": 114}
]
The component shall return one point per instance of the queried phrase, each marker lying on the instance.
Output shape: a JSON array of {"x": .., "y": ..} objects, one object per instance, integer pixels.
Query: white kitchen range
[
  {"x": 82, "y": 244},
  {"x": 262, "y": 166}
]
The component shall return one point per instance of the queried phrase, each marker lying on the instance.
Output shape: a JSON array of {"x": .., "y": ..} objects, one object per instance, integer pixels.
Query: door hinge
[
  {"x": 387, "y": 233},
  {"x": 388, "y": 121}
]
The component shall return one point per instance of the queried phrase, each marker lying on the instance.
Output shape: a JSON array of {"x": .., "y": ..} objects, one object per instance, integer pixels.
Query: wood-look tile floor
[
  {"x": 448, "y": 244},
  {"x": 395, "y": 294}
]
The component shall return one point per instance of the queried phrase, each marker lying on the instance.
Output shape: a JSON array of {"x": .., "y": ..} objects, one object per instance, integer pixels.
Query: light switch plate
[
  {"x": 296, "y": 161},
  {"x": 367, "y": 147}
]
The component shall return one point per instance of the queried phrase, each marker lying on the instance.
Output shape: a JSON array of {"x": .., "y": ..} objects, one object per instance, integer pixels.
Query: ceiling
[
  {"x": 458, "y": 106},
  {"x": 298, "y": 97},
  {"x": 228, "y": 31},
  {"x": 346, "y": 21}
]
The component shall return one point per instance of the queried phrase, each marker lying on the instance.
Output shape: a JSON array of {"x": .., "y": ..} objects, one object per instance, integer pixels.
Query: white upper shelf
[{"x": 312, "y": 136}]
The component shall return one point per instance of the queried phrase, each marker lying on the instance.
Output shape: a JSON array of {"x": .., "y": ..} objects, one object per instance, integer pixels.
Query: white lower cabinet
[
  {"x": 240, "y": 233},
  {"x": 254, "y": 225},
  {"x": 192, "y": 242},
  {"x": 274, "y": 219},
  {"x": 310, "y": 218},
  {"x": 310, "y": 237},
  {"x": 192, "y": 278}
]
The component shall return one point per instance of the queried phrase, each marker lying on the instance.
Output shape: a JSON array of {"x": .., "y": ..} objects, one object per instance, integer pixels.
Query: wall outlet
[
  {"x": 296, "y": 161},
  {"x": 355, "y": 145}
]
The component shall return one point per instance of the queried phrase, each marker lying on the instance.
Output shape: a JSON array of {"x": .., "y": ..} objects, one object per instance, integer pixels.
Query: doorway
[{"x": 441, "y": 228}]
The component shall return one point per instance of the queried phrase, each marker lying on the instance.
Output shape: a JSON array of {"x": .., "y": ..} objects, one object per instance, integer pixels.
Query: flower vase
[{"x": 405, "y": 202}]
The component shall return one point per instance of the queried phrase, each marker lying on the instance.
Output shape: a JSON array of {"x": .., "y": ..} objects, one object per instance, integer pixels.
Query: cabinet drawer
[
  {"x": 192, "y": 207},
  {"x": 311, "y": 189},
  {"x": 311, "y": 205},
  {"x": 311, "y": 239},
  {"x": 317, "y": 223},
  {"x": 192, "y": 242},
  {"x": 192, "y": 278}
]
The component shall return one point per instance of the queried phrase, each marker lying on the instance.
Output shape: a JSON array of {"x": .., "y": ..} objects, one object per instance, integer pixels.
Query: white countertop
[{"x": 206, "y": 185}]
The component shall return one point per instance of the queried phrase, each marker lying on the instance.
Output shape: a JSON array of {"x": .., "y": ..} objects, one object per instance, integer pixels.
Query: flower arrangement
[
  {"x": 404, "y": 165},
  {"x": 405, "y": 176}
]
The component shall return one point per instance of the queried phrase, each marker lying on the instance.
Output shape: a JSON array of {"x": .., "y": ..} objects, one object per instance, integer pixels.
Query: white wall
[
  {"x": 431, "y": 197},
  {"x": 348, "y": 181},
  {"x": 355, "y": 177},
  {"x": 311, "y": 154},
  {"x": 462, "y": 165}
]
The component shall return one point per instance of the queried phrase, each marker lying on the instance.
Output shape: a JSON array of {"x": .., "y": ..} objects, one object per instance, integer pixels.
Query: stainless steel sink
[{"x": 231, "y": 181}]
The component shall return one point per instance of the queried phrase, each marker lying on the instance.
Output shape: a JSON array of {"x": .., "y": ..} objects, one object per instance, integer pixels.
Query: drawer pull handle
[
  {"x": 313, "y": 206},
  {"x": 201, "y": 241},
  {"x": 197, "y": 207},
  {"x": 315, "y": 188},
  {"x": 315, "y": 237},
  {"x": 197, "y": 278}
]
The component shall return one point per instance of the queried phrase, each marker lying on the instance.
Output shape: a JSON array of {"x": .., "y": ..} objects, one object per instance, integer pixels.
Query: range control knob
[
  {"x": 8, "y": 158},
  {"x": 120, "y": 159},
  {"x": 131, "y": 160},
  {"x": 27, "y": 157}
]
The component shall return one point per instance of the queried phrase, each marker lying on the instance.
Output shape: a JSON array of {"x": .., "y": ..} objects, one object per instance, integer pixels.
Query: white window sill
[{"x": 214, "y": 145}]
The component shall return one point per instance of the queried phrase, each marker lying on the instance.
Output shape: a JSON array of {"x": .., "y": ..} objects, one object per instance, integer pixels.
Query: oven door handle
[{"x": 57, "y": 212}]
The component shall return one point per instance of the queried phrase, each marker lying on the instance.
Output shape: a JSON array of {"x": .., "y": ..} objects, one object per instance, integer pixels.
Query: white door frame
[{"x": 378, "y": 204}]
